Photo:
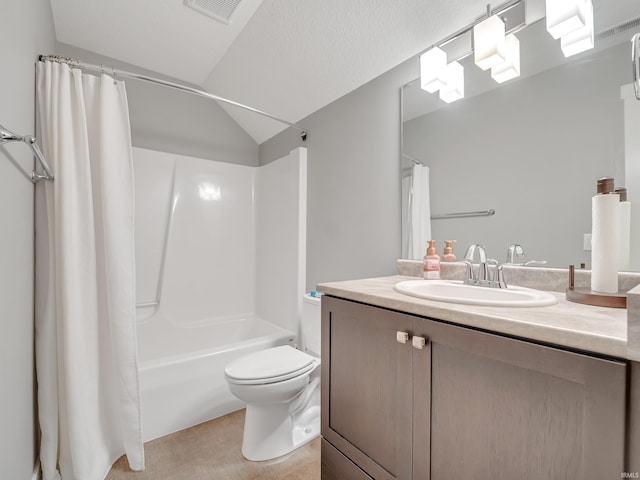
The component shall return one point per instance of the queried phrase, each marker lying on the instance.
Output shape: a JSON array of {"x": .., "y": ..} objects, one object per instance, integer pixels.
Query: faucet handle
[
  {"x": 468, "y": 277},
  {"x": 492, "y": 276},
  {"x": 534, "y": 263},
  {"x": 499, "y": 277}
]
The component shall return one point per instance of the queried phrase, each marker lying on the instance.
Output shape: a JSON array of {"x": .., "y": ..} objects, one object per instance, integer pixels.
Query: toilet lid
[{"x": 270, "y": 365}]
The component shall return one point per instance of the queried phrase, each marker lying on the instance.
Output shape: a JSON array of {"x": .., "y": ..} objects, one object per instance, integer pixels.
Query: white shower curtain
[
  {"x": 86, "y": 354},
  {"x": 419, "y": 212}
]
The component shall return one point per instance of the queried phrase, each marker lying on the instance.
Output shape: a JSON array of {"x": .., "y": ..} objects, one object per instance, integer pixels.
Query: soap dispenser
[
  {"x": 431, "y": 270},
  {"x": 448, "y": 256}
]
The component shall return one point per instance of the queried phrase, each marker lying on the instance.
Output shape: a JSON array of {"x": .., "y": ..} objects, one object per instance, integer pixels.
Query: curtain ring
[{"x": 113, "y": 69}]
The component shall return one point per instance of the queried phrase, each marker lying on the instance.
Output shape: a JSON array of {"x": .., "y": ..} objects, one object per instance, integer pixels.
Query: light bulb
[
  {"x": 581, "y": 39},
  {"x": 565, "y": 16},
  {"x": 510, "y": 68},
  {"x": 433, "y": 69},
  {"x": 454, "y": 89},
  {"x": 489, "y": 43}
]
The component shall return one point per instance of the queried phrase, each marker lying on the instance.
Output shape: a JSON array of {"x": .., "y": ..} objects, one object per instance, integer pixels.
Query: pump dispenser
[
  {"x": 448, "y": 256},
  {"x": 431, "y": 269}
]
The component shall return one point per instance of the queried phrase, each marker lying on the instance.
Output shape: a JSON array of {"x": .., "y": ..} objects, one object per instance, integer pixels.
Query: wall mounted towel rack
[
  {"x": 36, "y": 176},
  {"x": 480, "y": 213},
  {"x": 413, "y": 159}
]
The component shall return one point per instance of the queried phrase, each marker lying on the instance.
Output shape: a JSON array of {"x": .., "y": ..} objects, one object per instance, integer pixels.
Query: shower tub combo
[{"x": 220, "y": 253}]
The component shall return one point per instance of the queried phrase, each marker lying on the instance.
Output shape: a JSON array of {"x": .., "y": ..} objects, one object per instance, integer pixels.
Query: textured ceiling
[
  {"x": 159, "y": 35},
  {"x": 286, "y": 57},
  {"x": 295, "y": 57}
]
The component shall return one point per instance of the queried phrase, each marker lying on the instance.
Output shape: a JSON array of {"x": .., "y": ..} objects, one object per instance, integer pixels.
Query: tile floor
[{"x": 211, "y": 451}]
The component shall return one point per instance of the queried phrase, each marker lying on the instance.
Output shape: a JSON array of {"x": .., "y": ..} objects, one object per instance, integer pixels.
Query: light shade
[
  {"x": 565, "y": 16},
  {"x": 454, "y": 89},
  {"x": 581, "y": 39},
  {"x": 433, "y": 69},
  {"x": 510, "y": 68},
  {"x": 488, "y": 42}
]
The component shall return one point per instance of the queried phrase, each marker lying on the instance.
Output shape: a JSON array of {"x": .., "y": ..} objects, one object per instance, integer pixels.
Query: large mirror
[{"x": 530, "y": 149}]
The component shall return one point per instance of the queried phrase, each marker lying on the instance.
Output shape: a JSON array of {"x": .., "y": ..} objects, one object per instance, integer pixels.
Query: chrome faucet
[
  {"x": 515, "y": 250},
  {"x": 484, "y": 277},
  {"x": 470, "y": 278}
]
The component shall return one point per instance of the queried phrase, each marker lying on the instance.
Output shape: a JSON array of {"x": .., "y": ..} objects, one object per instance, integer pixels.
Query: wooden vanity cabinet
[
  {"x": 367, "y": 389},
  {"x": 468, "y": 404}
]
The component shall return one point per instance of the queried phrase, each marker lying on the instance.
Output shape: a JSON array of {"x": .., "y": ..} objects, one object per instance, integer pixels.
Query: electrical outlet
[{"x": 587, "y": 242}]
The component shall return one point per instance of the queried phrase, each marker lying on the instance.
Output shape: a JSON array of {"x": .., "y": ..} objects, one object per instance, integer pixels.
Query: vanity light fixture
[
  {"x": 433, "y": 69},
  {"x": 489, "y": 42},
  {"x": 454, "y": 88},
  {"x": 581, "y": 39},
  {"x": 565, "y": 16},
  {"x": 510, "y": 68},
  {"x": 495, "y": 46}
]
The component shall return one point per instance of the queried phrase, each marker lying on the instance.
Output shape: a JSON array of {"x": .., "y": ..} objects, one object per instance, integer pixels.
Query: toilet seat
[{"x": 269, "y": 366}]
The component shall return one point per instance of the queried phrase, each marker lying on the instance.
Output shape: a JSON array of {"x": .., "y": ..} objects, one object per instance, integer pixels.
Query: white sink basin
[{"x": 456, "y": 292}]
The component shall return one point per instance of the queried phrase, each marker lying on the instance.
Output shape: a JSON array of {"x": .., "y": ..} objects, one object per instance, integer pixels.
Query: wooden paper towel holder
[{"x": 589, "y": 297}]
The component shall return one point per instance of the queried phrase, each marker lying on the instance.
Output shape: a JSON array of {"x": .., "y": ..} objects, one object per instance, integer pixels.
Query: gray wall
[
  {"x": 176, "y": 122},
  {"x": 532, "y": 150},
  {"x": 353, "y": 224},
  {"x": 27, "y": 30}
]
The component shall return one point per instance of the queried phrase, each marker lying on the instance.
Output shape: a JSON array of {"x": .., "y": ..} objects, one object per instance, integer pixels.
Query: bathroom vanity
[{"x": 416, "y": 389}]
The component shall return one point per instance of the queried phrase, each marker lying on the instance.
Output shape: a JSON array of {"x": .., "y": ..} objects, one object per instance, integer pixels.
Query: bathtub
[
  {"x": 182, "y": 368},
  {"x": 220, "y": 273}
]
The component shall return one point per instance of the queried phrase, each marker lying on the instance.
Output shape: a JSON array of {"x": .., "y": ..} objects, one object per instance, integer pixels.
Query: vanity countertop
[{"x": 583, "y": 327}]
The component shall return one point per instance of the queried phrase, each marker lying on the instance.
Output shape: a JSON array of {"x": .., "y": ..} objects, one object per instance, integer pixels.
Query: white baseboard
[{"x": 37, "y": 474}]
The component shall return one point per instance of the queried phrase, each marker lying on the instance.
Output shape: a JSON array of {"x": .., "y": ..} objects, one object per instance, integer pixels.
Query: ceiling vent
[{"x": 221, "y": 10}]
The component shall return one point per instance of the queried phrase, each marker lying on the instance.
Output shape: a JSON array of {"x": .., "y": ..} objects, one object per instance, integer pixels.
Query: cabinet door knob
[
  {"x": 402, "y": 337},
  {"x": 419, "y": 342}
]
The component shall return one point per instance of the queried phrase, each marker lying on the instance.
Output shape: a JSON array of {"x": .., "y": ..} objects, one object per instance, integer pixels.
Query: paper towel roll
[
  {"x": 605, "y": 242},
  {"x": 625, "y": 236}
]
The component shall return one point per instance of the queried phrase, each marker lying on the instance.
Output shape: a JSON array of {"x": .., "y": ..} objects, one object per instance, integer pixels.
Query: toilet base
[
  {"x": 270, "y": 431},
  {"x": 281, "y": 416}
]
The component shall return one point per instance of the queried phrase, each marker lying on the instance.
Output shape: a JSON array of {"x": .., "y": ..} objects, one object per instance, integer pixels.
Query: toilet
[{"x": 281, "y": 387}]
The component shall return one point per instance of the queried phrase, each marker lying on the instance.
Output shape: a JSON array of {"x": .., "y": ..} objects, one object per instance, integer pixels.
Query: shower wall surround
[
  {"x": 220, "y": 257},
  {"x": 218, "y": 241},
  {"x": 203, "y": 211}
]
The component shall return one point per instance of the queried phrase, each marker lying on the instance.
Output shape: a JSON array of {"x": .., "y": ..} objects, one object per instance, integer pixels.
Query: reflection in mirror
[{"x": 531, "y": 149}]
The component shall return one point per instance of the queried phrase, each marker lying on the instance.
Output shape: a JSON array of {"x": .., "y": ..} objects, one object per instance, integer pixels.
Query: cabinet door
[
  {"x": 336, "y": 466},
  {"x": 367, "y": 387},
  {"x": 500, "y": 408}
]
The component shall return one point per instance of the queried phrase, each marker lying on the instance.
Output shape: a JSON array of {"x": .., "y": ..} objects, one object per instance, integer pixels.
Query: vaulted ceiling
[{"x": 286, "y": 57}]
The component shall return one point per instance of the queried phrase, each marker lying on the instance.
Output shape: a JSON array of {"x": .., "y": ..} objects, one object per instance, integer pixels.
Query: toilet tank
[{"x": 310, "y": 324}]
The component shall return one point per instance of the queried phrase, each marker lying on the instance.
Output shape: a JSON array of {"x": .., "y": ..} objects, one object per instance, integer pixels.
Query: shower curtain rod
[{"x": 178, "y": 86}]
